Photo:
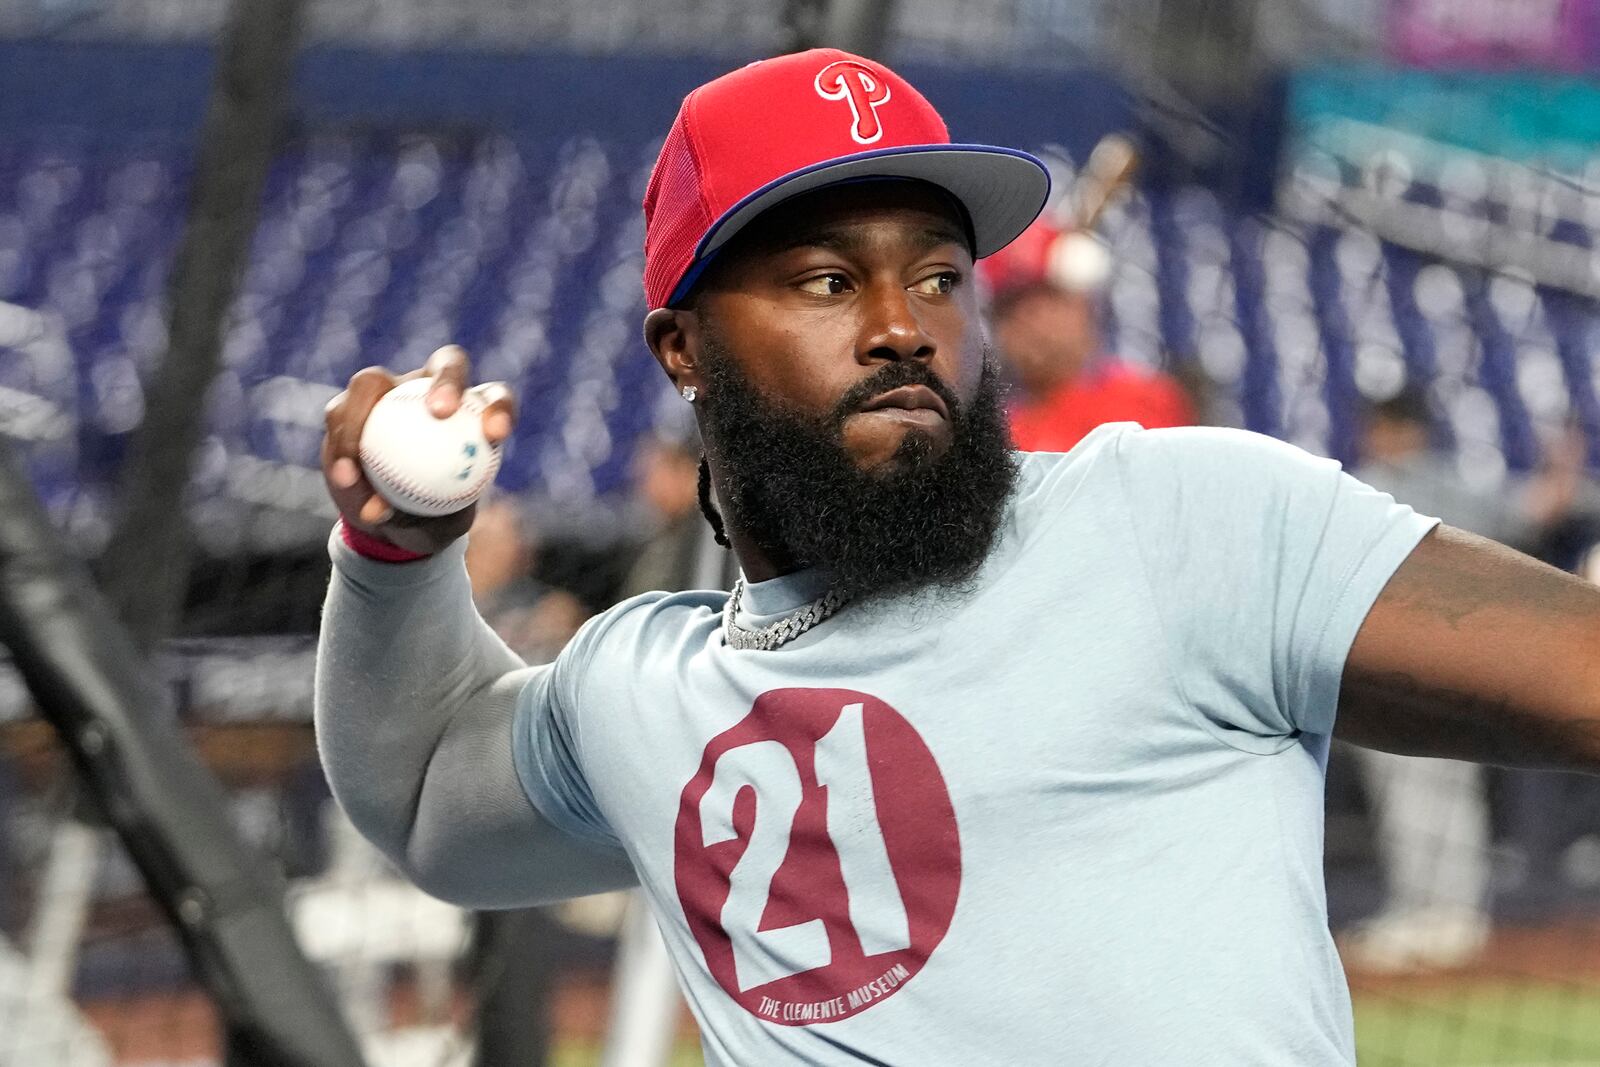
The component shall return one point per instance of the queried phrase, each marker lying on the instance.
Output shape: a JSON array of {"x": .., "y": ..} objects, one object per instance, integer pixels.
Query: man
[
  {"x": 1397, "y": 456},
  {"x": 943, "y": 780},
  {"x": 1046, "y": 308}
]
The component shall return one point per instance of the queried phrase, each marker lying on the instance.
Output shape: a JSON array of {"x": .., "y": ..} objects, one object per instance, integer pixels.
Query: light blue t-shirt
[{"x": 1073, "y": 817}]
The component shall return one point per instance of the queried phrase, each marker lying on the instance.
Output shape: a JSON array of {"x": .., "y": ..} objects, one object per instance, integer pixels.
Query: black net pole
[
  {"x": 254, "y": 58},
  {"x": 116, "y": 720}
]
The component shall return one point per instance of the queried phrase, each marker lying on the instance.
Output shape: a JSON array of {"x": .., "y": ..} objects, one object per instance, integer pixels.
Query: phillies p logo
[{"x": 866, "y": 91}]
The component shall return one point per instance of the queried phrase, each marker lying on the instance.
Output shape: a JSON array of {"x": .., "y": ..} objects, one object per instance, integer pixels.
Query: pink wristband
[{"x": 364, "y": 544}]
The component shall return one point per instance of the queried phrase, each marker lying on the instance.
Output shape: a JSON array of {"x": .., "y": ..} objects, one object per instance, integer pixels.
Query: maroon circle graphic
[{"x": 816, "y": 855}]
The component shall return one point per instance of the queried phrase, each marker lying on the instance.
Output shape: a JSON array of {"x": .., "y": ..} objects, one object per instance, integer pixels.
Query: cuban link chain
[{"x": 785, "y": 629}]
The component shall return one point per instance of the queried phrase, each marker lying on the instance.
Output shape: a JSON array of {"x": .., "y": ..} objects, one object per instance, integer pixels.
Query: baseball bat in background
[{"x": 1108, "y": 170}]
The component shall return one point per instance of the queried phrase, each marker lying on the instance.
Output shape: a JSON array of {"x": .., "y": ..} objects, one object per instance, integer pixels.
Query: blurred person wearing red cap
[
  {"x": 1047, "y": 290},
  {"x": 944, "y": 779}
]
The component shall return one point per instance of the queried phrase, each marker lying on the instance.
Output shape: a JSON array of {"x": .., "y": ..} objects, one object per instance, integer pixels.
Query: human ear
[{"x": 673, "y": 337}]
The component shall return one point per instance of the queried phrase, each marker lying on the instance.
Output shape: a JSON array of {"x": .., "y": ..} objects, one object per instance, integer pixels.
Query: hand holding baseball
[{"x": 352, "y": 485}]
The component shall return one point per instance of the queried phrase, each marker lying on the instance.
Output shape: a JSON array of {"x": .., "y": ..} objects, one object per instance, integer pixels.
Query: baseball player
[{"x": 988, "y": 758}]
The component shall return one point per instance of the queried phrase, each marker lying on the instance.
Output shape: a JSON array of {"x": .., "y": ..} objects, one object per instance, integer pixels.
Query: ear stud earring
[{"x": 689, "y": 393}]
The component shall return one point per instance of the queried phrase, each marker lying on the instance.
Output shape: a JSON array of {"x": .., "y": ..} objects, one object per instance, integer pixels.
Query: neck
[{"x": 756, "y": 562}]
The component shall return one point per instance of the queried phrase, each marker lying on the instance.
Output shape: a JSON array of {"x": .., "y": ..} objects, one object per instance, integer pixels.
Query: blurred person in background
[
  {"x": 680, "y": 552},
  {"x": 1551, "y": 820},
  {"x": 1398, "y": 456},
  {"x": 1048, "y": 293},
  {"x": 517, "y": 954},
  {"x": 535, "y": 619},
  {"x": 1432, "y": 815}
]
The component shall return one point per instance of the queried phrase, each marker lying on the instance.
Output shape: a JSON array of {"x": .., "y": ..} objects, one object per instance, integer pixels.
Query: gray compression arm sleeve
[{"x": 415, "y": 697}]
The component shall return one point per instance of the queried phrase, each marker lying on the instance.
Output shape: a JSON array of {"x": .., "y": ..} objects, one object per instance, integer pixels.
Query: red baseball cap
[{"x": 774, "y": 129}]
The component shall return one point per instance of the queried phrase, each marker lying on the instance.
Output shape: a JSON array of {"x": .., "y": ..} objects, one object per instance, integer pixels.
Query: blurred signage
[
  {"x": 1558, "y": 34},
  {"x": 1494, "y": 169},
  {"x": 1547, "y": 118}
]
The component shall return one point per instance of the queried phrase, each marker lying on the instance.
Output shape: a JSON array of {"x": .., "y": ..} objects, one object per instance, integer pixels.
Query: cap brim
[{"x": 1002, "y": 189}]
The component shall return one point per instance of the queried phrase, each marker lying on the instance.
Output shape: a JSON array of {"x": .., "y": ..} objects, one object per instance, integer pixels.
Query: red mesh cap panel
[{"x": 675, "y": 212}]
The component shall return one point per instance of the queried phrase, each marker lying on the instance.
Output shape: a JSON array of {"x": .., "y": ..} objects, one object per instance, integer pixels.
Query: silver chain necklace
[{"x": 785, "y": 629}]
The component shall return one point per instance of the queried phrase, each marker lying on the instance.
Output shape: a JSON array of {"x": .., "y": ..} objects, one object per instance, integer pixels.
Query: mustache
[{"x": 894, "y": 376}]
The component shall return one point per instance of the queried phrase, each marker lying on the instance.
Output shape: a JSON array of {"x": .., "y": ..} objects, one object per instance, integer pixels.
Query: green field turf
[
  {"x": 1476, "y": 1024},
  {"x": 1480, "y": 1024}
]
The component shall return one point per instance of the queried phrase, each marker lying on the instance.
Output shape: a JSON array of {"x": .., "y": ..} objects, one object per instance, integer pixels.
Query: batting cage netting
[{"x": 1350, "y": 226}]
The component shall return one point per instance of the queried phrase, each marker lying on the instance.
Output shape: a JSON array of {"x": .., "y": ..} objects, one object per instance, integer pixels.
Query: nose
[{"x": 892, "y": 331}]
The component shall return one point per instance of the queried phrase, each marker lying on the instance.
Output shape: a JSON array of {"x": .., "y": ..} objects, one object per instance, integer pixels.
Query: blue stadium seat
[{"x": 375, "y": 247}]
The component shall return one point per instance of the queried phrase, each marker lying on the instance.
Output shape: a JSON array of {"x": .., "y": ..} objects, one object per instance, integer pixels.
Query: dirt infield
[{"x": 1563, "y": 951}]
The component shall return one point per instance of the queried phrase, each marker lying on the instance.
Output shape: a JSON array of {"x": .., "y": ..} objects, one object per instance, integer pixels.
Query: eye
[
  {"x": 941, "y": 284},
  {"x": 831, "y": 284}
]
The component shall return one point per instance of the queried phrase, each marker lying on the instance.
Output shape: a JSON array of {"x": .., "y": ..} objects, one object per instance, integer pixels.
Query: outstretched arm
[
  {"x": 414, "y": 707},
  {"x": 1474, "y": 651},
  {"x": 416, "y": 697}
]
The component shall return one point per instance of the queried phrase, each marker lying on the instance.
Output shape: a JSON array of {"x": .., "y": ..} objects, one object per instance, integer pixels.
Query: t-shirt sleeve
[
  {"x": 1263, "y": 561},
  {"x": 547, "y": 740}
]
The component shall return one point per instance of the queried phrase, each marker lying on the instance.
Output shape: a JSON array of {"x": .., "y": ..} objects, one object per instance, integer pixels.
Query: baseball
[
  {"x": 1079, "y": 262},
  {"x": 423, "y": 465}
]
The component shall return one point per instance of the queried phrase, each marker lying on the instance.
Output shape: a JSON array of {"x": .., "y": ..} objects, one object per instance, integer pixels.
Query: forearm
[
  {"x": 415, "y": 698},
  {"x": 1477, "y": 652},
  {"x": 1418, "y": 719}
]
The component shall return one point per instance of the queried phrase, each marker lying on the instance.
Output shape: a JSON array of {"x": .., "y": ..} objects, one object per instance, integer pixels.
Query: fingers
[
  {"x": 451, "y": 372},
  {"x": 375, "y": 510},
  {"x": 347, "y": 413},
  {"x": 344, "y": 419},
  {"x": 500, "y": 411},
  {"x": 346, "y": 416},
  {"x": 358, "y": 502},
  {"x": 344, "y": 473}
]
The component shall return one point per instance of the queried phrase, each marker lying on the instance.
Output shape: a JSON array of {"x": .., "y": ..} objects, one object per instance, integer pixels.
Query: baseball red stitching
[{"x": 418, "y": 494}]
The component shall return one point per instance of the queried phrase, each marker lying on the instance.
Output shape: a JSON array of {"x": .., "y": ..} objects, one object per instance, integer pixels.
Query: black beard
[{"x": 921, "y": 520}]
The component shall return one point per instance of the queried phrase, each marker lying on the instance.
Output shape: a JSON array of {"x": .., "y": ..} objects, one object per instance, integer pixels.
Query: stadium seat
[{"x": 376, "y": 247}]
